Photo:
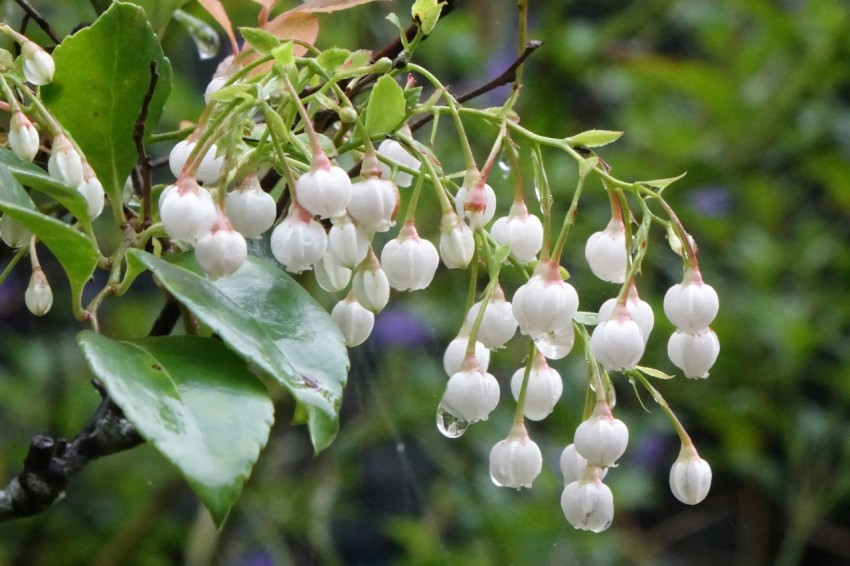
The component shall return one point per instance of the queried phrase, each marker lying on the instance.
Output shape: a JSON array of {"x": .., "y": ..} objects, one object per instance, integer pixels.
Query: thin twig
[
  {"x": 42, "y": 23},
  {"x": 144, "y": 163}
]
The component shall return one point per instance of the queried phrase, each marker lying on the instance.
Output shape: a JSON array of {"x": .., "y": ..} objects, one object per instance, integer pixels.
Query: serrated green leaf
[
  {"x": 238, "y": 91},
  {"x": 273, "y": 323},
  {"x": 102, "y": 75},
  {"x": 662, "y": 184},
  {"x": 261, "y": 40},
  {"x": 652, "y": 372},
  {"x": 426, "y": 13},
  {"x": 586, "y": 318},
  {"x": 75, "y": 252},
  {"x": 34, "y": 176},
  {"x": 385, "y": 110},
  {"x": 331, "y": 59},
  {"x": 357, "y": 60},
  {"x": 586, "y": 165},
  {"x": 195, "y": 401},
  {"x": 284, "y": 54},
  {"x": 594, "y": 138}
]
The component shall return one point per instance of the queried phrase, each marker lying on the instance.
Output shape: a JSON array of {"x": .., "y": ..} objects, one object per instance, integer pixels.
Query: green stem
[
  {"x": 677, "y": 426},
  {"x": 519, "y": 415},
  {"x": 19, "y": 254}
]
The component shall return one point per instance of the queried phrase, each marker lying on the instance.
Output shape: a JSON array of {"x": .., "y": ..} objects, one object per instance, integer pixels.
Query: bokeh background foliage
[{"x": 752, "y": 98}]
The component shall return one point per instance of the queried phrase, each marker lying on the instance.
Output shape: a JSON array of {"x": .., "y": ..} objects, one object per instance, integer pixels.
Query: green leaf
[
  {"x": 261, "y": 40},
  {"x": 594, "y": 138},
  {"x": 386, "y": 108},
  {"x": 159, "y": 12},
  {"x": 284, "y": 54},
  {"x": 426, "y": 13},
  {"x": 586, "y": 318},
  {"x": 652, "y": 372},
  {"x": 330, "y": 59},
  {"x": 662, "y": 184},
  {"x": 269, "y": 320},
  {"x": 102, "y": 75},
  {"x": 75, "y": 252},
  {"x": 34, "y": 176},
  {"x": 195, "y": 401}
]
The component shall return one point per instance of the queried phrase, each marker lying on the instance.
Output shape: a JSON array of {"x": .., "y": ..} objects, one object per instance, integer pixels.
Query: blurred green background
[{"x": 752, "y": 99}]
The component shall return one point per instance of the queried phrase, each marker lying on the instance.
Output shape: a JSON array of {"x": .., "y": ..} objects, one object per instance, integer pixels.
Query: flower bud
[
  {"x": 299, "y": 241},
  {"x": 38, "y": 64},
  {"x": 370, "y": 285},
  {"x": 251, "y": 210},
  {"x": 588, "y": 505},
  {"x": 222, "y": 250},
  {"x": 396, "y": 152},
  {"x": 65, "y": 164},
  {"x": 515, "y": 461},
  {"x": 521, "y": 231},
  {"x": 606, "y": 252},
  {"x": 409, "y": 261},
  {"x": 694, "y": 354},
  {"x": 573, "y": 464},
  {"x": 691, "y": 305},
  {"x": 354, "y": 321},
  {"x": 92, "y": 190},
  {"x": 471, "y": 394},
  {"x": 640, "y": 311},
  {"x": 602, "y": 439},
  {"x": 347, "y": 242},
  {"x": 477, "y": 203},
  {"x": 690, "y": 476},
  {"x": 325, "y": 190},
  {"x": 38, "y": 296},
  {"x": 23, "y": 137},
  {"x": 543, "y": 391},
  {"x": 14, "y": 234},
  {"x": 456, "y": 352},
  {"x": 374, "y": 201},
  {"x": 498, "y": 324},
  {"x": 330, "y": 275},
  {"x": 457, "y": 243},
  {"x": 617, "y": 343},
  {"x": 188, "y": 211},
  {"x": 545, "y": 303}
]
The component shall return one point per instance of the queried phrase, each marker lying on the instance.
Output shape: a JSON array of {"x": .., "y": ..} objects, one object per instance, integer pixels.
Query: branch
[
  {"x": 507, "y": 77},
  {"x": 42, "y": 23},
  {"x": 144, "y": 164},
  {"x": 50, "y": 463}
]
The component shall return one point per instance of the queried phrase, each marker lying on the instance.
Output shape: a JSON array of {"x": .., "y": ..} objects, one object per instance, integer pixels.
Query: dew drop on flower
[{"x": 450, "y": 425}]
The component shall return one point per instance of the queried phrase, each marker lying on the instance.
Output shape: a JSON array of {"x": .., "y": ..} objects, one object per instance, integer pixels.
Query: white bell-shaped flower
[
  {"x": 515, "y": 461},
  {"x": 396, "y": 152},
  {"x": 325, "y": 190},
  {"x": 640, "y": 311},
  {"x": 588, "y": 504},
  {"x": 374, "y": 201},
  {"x": 409, "y": 261},
  {"x": 457, "y": 242},
  {"x": 23, "y": 137},
  {"x": 572, "y": 465},
  {"x": 522, "y": 231},
  {"x": 354, "y": 321},
  {"x": 299, "y": 241},
  {"x": 347, "y": 242},
  {"x": 601, "y": 439},
  {"x": 222, "y": 250},
  {"x": 557, "y": 344},
  {"x": 471, "y": 394},
  {"x": 691, "y": 305},
  {"x": 250, "y": 209},
  {"x": 38, "y": 64},
  {"x": 545, "y": 303},
  {"x": 92, "y": 191},
  {"x": 694, "y": 354},
  {"x": 188, "y": 211},
  {"x": 606, "y": 252},
  {"x": 690, "y": 476},
  {"x": 456, "y": 352},
  {"x": 13, "y": 233},
  {"x": 498, "y": 324},
  {"x": 476, "y": 202},
  {"x": 370, "y": 285},
  {"x": 65, "y": 164},
  {"x": 330, "y": 275},
  {"x": 39, "y": 296},
  {"x": 617, "y": 343},
  {"x": 544, "y": 388},
  {"x": 209, "y": 169}
]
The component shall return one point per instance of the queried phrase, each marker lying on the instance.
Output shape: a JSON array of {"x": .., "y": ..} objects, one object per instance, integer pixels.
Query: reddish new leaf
[
  {"x": 217, "y": 11},
  {"x": 316, "y": 6}
]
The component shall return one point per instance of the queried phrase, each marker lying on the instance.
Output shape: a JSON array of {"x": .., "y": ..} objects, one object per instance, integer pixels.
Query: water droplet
[
  {"x": 450, "y": 425},
  {"x": 206, "y": 39},
  {"x": 495, "y": 481},
  {"x": 556, "y": 345},
  {"x": 505, "y": 168},
  {"x": 537, "y": 192}
]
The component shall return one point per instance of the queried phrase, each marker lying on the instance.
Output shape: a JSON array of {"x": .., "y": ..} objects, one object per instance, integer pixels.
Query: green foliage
[
  {"x": 195, "y": 401},
  {"x": 386, "y": 108}
]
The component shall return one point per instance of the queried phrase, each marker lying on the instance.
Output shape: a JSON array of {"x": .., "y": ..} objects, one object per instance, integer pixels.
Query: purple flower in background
[
  {"x": 711, "y": 200},
  {"x": 651, "y": 451},
  {"x": 398, "y": 327}
]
